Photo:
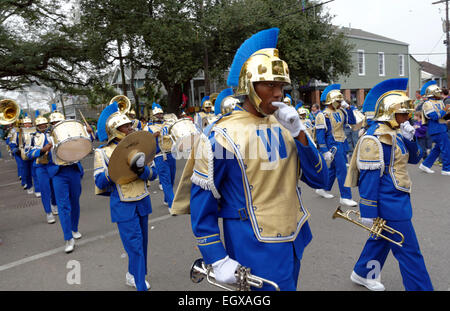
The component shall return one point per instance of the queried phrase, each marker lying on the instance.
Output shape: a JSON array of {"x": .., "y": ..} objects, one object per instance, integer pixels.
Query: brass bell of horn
[{"x": 9, "y": 111}]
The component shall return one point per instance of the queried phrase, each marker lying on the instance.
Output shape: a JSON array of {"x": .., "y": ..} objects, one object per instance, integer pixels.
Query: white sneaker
[
  {"x": 348, "y": 202},
  {"x": 129, "y": 280},
  {"x": 70, "y": 245},
  {"x": 426, "y": 169},
  {"x": 160, "y": 187},
  {"x": 54, "y": 210},
  {"x": 445, "y": 173},
  {"x": 30, "y": 191},
  {"x": 374, "y": 285},
  {"x": 50, "y": 218},
  {"x": 324, "y": 194},
  {"x": 76, "y": 235},
  {"x": 37, "y": 194}
]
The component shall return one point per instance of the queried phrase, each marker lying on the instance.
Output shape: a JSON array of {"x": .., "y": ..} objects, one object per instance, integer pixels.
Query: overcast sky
[{"x": 416, "y": 22}]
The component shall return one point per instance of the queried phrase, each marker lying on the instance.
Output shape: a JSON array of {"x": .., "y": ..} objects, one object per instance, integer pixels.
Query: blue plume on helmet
[
  {"x": 36, "y": 114},
  {"x": 372, "y": 98},
  {"x": 264, "y": 39},
  {"x": 425, "y": 86},
  {"x": 101, "y": 123},
  {"x": 155, "y": 105},
  {"x": 53, "y": 107},
  {"x": 222, "y": 95},
  {"x": 299, "y": 105},
  {"x": 327, "y": 90}
]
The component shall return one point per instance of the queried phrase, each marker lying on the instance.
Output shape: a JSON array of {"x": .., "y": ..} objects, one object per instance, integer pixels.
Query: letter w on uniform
[{"x": 273, "y": 141}]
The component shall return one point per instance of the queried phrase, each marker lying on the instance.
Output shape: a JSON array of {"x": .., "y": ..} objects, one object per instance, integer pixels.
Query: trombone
[
  {"x": 379, "y": 225},
  {"x": 244, "y": 278}
]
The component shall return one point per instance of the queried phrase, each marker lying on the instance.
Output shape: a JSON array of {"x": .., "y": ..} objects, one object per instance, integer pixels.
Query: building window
[
  {"x": 401, "y": 65},
  {"x": 381, "y": 71},
  {"x": 361, "y": 63}
]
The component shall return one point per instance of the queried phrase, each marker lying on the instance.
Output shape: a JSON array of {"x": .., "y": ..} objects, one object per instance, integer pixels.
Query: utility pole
[{"x": 447, "y": 37}]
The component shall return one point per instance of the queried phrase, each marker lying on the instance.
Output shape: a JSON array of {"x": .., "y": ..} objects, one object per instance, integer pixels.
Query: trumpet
[
  {"x": 244, "y": 278},
  {"x": 379, "y": 225}
]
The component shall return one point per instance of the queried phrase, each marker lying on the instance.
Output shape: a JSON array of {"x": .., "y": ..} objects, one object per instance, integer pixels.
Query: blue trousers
[
  {"x": 134, "y": 236},
  {"x": 412, "y": 265},
  {"x": 27, "y": 175},
  {"x": 442, "y": 145},
  {"x": 67, "y": 185},
  {"x": 45, "y": 188},
  {"x": 19, "y": 167},
  {"x": 35, "y": 178},
  {"x": 338, "y": 169},
  {"x": 166, "y": 171}
]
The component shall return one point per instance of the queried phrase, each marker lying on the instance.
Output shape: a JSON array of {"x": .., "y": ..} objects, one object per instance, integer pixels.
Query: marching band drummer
[
  {"x": 39, "y": 152},
  {"x": 205, "y": 113},
  {"x": 379, "y": 169},
  {"x": 164, "y": 161},
  {"x": 130, "y": 203},
  {"x": 264, "y": 222},
  {"x": 66, "y": 180},
  {"x": 330, "y": 135}
]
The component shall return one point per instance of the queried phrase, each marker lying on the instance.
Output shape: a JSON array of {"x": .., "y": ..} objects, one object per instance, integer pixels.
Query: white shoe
[
  {"x": 374, "y": 285},
  {"x": 129, "y": 279},
  {"x": 348, "y": 202},
  {"x": 324, "y": 194},
  {"x": 37, "y": 194},
  {"x": 76, "y": 235},
  {"x": 445, "y": 173},
  {"x": 70, "y": 245},
  {"x": 30, "y": 191},
  {"x": 166, "y": 204},
  {"x": 50, "y": 218},
  {"x": 54, "y": 210},
  {"x": 160, "y": 187},
  {"x": 426, "y": 169}
]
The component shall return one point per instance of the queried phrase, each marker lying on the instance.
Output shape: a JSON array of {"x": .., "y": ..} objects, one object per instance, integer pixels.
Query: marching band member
[
  {"x": 330, "y": 136},
  {"x": 434, "y": 111},
  {"x": 205, "y": 113},
  {"x": 27, "y": 164},
  {"x": 13, "y": 144},
  {"x": 302, "y": 113},
  {"x": 264, "y": 222},
  {"x": 164, "y": 161},
  {"x": 129, "y": 203},
  {"x": 39, "y": 152},
  {"x": 66, "y": 180},
  {"x": 379, "y": 169}
]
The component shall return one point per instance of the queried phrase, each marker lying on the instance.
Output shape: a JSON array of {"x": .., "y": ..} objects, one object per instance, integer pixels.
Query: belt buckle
[{"x": 242, "y": 214}]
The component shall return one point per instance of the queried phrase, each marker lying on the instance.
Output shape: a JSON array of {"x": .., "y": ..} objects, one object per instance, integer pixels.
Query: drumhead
[{"x": 74, "y": 149}]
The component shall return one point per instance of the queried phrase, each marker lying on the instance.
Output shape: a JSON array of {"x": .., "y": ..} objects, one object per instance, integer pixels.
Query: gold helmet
[
  {"x": 206, "y": 103},
  {"x": 26, "y": 119},
  {"x": 257, "y": 60},
  {"x": 39, "y": 120},
  {"x": 302, "y": 112},
  {"x": 55, "y": 116},
  {"x": 332, "y": 95},
  {"x": 388, "y": 98},
  {"x": 156, "y": 108},
  {"x": 288, "y": 100},
  {"x": 109, "y": 121},
  {"x": 431, "y": 89}
]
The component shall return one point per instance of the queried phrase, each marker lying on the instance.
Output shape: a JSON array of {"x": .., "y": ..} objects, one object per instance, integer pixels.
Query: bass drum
[{"x": 71, "y": 141}]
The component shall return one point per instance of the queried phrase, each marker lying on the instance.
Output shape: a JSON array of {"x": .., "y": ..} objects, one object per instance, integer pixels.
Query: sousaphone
[{"x": 119, "y": 163}]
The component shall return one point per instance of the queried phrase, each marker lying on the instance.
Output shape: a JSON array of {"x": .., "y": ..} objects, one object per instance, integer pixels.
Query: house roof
[
  {"x": 362, "y": 34},
  {"x": 433, "y": 69}
]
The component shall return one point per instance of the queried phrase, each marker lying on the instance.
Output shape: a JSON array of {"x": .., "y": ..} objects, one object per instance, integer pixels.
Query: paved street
[{"x": 32, "y": 254}]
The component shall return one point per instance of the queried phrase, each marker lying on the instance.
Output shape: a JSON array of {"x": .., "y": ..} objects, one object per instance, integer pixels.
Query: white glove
[
  {"x": 138, "y": 160},
  {"x": 288, "y": 118},
  {"x": 344, "y": 104},
  {"x": 368, "y": 222},
  {"x": 328, "y": 156},
  {"x": 224, "y": 270},
  {"x": 407, "y": 130}
]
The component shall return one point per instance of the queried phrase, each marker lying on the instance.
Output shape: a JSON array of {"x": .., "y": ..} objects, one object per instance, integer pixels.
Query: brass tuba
[
  {"x": 123, "y": 102},
  {"x": 379, "y": 225},
  {"x": 244, "y": 278},
  {"x": 9, "y": 111}
]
